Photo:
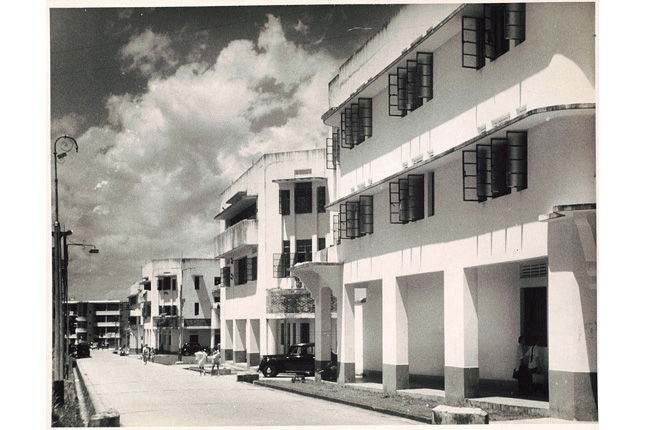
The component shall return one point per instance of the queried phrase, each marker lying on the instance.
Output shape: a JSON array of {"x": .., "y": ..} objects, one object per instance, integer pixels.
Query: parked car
[
  {"x": 82, "y": 350},
  {"x": 300, "y": 359},
  {"x": 190, "y": 348}
]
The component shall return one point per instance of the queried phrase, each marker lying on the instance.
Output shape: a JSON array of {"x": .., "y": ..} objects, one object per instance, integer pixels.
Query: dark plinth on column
[
  {"x": 254, "y": 358},
  {"x": 573, "y": 395},
  {"x": 320, "y": 366},
  {"x": 395, "y": 377},
  {"x": 239, "y": 356},
  {"x": 228, "y": 354},
  {"x": 346, "y": 373},
  {"x": 461, "y": 383}
]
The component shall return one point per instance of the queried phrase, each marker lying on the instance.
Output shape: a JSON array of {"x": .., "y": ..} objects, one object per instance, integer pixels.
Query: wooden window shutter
[
  {"x": 499, "y": 163},
  {"x": 515, "y": 22},
  {"x": 472, "y": 49},
  {"x": 517, "y": 168},
  {"x": 365, "y": 118},
  {"x": 484, "y": 172},
  {"x": 416, "y": 196},
  {"x": 424, "y": 76},
  {"x": 366, "y": 214},
  {"x": 393, "y": 96}
]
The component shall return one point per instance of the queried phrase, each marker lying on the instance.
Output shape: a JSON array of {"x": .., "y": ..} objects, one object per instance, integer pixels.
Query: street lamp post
[
  {"x": 65, "y": 291},
  {"x": 67, "y": 144}
]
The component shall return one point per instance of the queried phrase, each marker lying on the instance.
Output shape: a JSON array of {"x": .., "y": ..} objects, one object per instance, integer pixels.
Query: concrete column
[
  {"x": 273, "y": 334},
  {"x": 239, "y": 341},
  {"x": 346, "y": 321},
  {"x": 322, "y": 330},
  {"x": 572, "y": 319},
  {"x": 264, "y": 336},
  {"x": 461, "y": 334},
  {"x": 227, "y": 340},
  {"x": 253, "y": 354},
  {"x": 396, "y": 368}
]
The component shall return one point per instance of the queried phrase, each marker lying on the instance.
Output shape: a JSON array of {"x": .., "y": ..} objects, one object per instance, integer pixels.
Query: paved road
[{"x": 156, "y": 395}]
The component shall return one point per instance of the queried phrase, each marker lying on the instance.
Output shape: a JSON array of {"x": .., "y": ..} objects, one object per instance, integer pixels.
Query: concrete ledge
[
  {"x": 95, "y": 414},
  {"x": 455, "y": 415},
  {"x": 248, "y": 377},
  {"x": 109, "y": 418}
]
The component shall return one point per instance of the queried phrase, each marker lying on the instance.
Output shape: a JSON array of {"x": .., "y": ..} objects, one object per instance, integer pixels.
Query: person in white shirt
[
  {"x": 217, "y": 357},
  {"x": 201, "y": 361}
]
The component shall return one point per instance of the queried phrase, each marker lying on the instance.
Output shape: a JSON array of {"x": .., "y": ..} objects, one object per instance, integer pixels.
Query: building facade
[
  {"x": 175, "y": 302},
  {"x": 272, "y": 217},
  {"x": 103, "y": 322},
  {"x": 462, "y": 146}
]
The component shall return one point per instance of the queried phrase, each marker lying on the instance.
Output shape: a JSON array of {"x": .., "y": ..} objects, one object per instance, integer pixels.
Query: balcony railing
[
  {"x": 293, "y": 301},
  {"x": 167, "y": 321},
  {"x": 242, "y": 234}
]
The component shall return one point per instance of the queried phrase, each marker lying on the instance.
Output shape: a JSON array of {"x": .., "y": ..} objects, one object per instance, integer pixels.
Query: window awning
[
  {"x": 300, "y": 179},
  {"x": 240, "y": 203}
]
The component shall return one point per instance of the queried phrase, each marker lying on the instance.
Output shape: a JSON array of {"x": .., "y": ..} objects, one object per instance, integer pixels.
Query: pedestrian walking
[
  {"x": 217, "y": 357},
  {"x": 145, "y": 353},
  {"x": 201, "y": 361}
]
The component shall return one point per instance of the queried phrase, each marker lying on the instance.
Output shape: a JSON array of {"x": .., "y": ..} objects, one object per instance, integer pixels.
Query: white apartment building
[
  {"x": 175, "y": 302},
  {"x": 272, "y": 217},
  {"x": 463, "y": 141},
  {"x": 96, "y": 321}
]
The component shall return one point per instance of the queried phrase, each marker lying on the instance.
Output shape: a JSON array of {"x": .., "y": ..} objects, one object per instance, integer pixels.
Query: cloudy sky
[{"x": 168, "y": 106}]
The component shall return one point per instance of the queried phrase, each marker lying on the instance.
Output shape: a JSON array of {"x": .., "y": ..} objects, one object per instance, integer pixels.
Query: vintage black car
[
  {"x": 82, "y": 350},
  {"x": 300, "y": 359},
  {"x": 190, "y": 348}
]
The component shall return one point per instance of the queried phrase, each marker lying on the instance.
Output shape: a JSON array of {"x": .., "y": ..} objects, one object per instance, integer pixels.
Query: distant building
[
  {"x": 463, "y": 149},
  {"x": 174, "y": 303},
  {"x": 103, "y": 322},
  {"x": 273, "y": 216}
]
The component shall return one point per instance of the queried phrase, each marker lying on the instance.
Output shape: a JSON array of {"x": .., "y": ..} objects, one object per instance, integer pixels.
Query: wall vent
[
  {"x": 538, "y": 270},
  {"x": 302, "y": 172}
]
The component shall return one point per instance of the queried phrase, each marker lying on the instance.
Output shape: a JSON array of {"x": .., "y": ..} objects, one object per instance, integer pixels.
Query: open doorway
[{"x": 534, "y": 332}]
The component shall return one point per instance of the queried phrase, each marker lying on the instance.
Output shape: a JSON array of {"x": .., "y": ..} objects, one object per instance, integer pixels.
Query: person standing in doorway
[
  {"x": 523, "y": 375},
  {"x": 217, "y": 357}
]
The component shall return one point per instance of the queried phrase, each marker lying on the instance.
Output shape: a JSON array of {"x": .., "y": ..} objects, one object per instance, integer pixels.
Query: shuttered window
[
  {"x": 356, "y": 218},
  {"x": 303, "y": 198},
  {"x": 493, "y": 169},
  {"x": 321, "y": 199},
  {"x": 407, "y": 199},
  {"x": 285, "y": 202},
  {"x": 489, "y": 35},
  {"x": 333, "y": 150},
  {"x": 226, "y": 276},
  {"x": 356, "y": 123},
  {"x": 241, "y": 271},
  {"x": 411, "y": 86}
]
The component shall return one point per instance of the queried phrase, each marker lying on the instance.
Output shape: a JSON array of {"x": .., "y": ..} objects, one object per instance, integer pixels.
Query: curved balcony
[{"x": 242, "y": 235}]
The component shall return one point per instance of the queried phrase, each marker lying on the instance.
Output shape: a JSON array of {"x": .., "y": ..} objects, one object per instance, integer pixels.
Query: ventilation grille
[
  {"x": 302, "y": 172},
  {"x": 538, "y": 270}
]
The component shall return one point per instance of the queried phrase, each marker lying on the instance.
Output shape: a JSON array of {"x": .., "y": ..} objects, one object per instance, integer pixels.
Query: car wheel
[
  {"x": 185, "y": 353},
  {"x": 270, "y": 371}
]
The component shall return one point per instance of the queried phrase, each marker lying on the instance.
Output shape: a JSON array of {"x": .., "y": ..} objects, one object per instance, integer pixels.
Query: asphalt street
[{"x": 157, "y": 395}]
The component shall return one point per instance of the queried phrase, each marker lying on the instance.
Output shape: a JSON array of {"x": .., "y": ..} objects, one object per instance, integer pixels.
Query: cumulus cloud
[
  {"x": 145, "y": 184},
  {"x": 149, "y": 53}
]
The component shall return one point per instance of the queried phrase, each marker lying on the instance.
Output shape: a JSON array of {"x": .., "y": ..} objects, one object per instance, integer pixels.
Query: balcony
[
  {"x": 107, "y": 324},
  {"x": 108, "y": 313},
  {"x": 293, "y": 302},
  {"x": 237, "y": 239}
]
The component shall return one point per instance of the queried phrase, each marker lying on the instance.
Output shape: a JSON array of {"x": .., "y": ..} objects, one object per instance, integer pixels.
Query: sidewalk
[{"x": 157, "y": 395}]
